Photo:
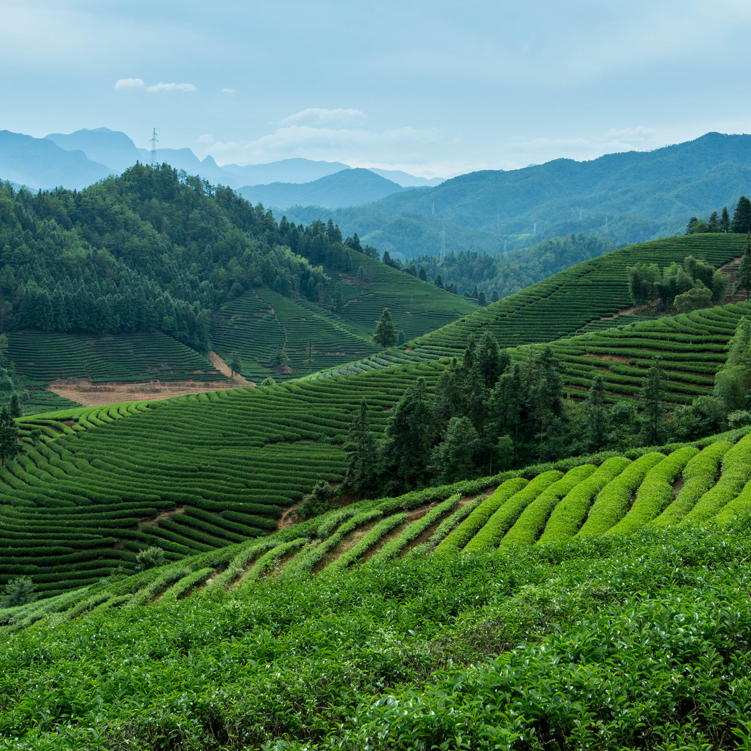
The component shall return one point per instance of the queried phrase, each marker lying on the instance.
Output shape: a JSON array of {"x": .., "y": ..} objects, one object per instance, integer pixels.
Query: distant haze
[{"x": 430, "y": 89}]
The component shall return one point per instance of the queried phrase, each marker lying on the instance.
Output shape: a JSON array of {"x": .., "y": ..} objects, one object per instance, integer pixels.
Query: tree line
[{"x": 491, "y": 411}]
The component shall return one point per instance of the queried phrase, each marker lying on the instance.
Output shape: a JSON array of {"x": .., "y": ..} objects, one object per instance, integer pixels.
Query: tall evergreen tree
[
  {"x": 713, "y": 225},
  {"x": 10, "y": 437},
  {"x": 652, "y": 430},
  {"x": 409, "y": 438},
  {"x": 385, "y": 335},
  {"x": 596, "y": 415},
  {"x": 362, "y": 460},
  {"x": 453, "y": 458},
  {"x": 742, "y": 216},
  {"x": 235, "y": 363},
  {"x": 724, "y": 225},
  {"x": 743, "y": 277}
]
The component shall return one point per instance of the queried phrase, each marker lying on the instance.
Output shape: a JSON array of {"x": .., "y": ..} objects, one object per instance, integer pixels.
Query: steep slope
[
  {"x": 349, "y": 187},
  {"x": 39, "y": 163}
]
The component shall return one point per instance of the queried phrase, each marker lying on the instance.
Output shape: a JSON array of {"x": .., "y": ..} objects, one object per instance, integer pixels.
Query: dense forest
[{"x": 151, "y": 249}]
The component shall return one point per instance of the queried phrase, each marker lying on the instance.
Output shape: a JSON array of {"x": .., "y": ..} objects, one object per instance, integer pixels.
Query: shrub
[
  {"x": 498, "y": 524},
  {"x": 736, "y": 472},
  {"x": 614, "y": 499},
  {"x": 698, "y": 477},
  {"x": 530, "y": 524},
  {"x": 570, "y": 512},
  {"x": 475, "y": 521},
  {"x": 152, "y": 557},
  {"x": 655, "y": 493}
]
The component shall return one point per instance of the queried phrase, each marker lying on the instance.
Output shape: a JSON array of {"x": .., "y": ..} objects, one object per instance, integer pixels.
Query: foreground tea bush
[{"x": 638, "y": 641}]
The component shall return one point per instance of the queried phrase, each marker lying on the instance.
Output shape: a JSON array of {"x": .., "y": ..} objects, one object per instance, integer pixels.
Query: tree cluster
[
  {"x": 694, "y": 284},
  {"x": 721, "y": 222}
]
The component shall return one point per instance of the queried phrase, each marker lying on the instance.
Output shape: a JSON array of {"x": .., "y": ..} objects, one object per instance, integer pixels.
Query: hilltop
[
  {"x": 644, "y": 195},
  {"x": 350, "y": 187}
]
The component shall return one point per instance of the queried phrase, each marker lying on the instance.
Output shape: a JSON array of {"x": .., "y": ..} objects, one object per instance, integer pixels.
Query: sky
[{"x": 433, "y": 88}]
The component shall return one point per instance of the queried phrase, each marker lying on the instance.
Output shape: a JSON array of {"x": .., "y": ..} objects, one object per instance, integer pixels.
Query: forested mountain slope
[
  {"x": 628, "y": 197},
  {"x": 150, "y": 251}
]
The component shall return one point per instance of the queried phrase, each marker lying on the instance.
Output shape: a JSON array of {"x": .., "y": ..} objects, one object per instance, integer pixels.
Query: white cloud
[
  {"x": 631, "y": 133},
  {"x": 323, "y": 118},
  {"x": 129, "y": 83},
  {"x": 405, "y": 145},
  {"x": 228, "y": 91},
  {"x": 171, "y": 87},
  {"x": 205, "y": 138}
]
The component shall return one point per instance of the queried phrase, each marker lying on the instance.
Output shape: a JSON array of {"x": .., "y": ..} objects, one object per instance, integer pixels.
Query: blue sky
[{"x": 435, "y": 88}]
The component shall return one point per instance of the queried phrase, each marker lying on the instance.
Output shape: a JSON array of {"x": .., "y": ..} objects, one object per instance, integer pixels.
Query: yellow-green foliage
[
  {"x": 699, "y": 476},
  {"x": 532, "y": 520},
  {"x": 568, "y": 515},
  {"x": 502, "y": 520},
  {"x": 613, "y": 502},
  {"x": 476, "y": 520},
  {"x": 656, "y": 491},
  {"x": 736, "y": 472},
  {"x": 370, "y": 539}
]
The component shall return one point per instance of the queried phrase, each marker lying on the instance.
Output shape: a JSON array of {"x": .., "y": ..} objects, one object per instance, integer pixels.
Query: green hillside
[
  {"x": 628, "y": 197},
  {"x": 262, "y": 323},
  {"x": 573, "y": 581}
]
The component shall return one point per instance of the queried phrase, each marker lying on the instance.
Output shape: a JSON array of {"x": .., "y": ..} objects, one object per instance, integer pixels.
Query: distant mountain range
[
  {"x": 331, "y": 192},
  {"x": 628, "y": 197},
  {"x": 74, "y": 160}
]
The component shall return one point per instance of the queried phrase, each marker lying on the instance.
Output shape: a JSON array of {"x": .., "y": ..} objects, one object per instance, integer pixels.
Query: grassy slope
[
  {"x": 472, "y": 646},
  {"x": 262, "y": 322},
  {"x": 213, "y": 455}
]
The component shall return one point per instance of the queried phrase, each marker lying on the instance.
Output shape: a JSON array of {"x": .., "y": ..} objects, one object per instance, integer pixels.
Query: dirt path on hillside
[
  {"x": 102, "y": 394},
  {"x": 222, "y": 367}
]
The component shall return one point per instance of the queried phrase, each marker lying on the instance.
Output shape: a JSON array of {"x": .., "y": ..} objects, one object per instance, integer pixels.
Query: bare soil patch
[
  {"x": 222, "y": 367},
  {"x": 154, "y": 520},
  {"x": 112, "y": 393},
  {"x": 608, "y": 358}
]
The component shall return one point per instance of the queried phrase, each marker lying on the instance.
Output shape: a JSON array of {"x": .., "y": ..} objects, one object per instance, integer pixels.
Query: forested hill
[
  {"x": 629, "y": 197},
  {"x": 151, "y": 250}
]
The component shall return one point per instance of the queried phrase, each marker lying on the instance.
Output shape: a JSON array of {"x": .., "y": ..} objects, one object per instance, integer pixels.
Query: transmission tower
[{"x": 154, "y": 141}]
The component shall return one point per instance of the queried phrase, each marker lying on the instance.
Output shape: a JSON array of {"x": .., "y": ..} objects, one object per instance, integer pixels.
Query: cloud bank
[
  {"x": 321, "y": 118},
  {"x": 137, "y": 83}
]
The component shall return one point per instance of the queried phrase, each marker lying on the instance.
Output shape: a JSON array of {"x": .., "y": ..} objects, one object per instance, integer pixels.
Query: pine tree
[
  {"x": 438, "y": 281},
  {"x": 474, "y": 293},
  {"x": 401, "y": 338},
  {"x": 494, "y": 296},
  {"x": 692, "y": 222},
  {"x": 453, "y": 458},
  {"x": 409, "y": 438},
  {"x": 743, "y": 277},
  {"x": 724, "y": 225},
  {"x": 385, "y": 334},
  {"x": 362, "y": 460},
  {"x": 235, "y": 364},
  {"x": 10, "y": 444},
  {"x": 713, "y": 225},
  {"x": 652, "y": 431},
  {"x": 338, "y": 299},
  {"x": 596, "y": 415},
  {"x": 15, "y": 405},
  {"x": 742, "y": 216}
]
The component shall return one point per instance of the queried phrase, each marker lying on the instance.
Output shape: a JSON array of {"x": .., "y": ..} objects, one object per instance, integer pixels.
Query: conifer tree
[
  {"x": 713, "y": 225},
  {"x": 338, "y": 299},
  {"x": 596, "y": 415},
  {"x": 724, "y": 225},
  {"x": 453, "y": 458},
  {"x": 652, "y": 431},
  {"x": 10, "y": 444},
  {"x": 401, "y": 338},
  {"x": 15, "y": 405},
  {"x": 235, "y": 364},
  {"x": 385, "y": 335},
  {"x": 743, "y": 277},
  {"x": 362, "y": 460},
  {"x": 438, "y": 281},
  {"x": 742, "y": 216}
]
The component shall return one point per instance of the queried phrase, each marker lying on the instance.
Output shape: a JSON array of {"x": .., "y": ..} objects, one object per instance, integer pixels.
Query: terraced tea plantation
[
  {"x": 44, "y": 357},
  {"x": 566, "y": 302},
  {"x": 262, "y": 323},
  {"x": 188, "y": 474},
  {"x": 577, "y": 498},
  {"x": 693, "y": 347}
]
